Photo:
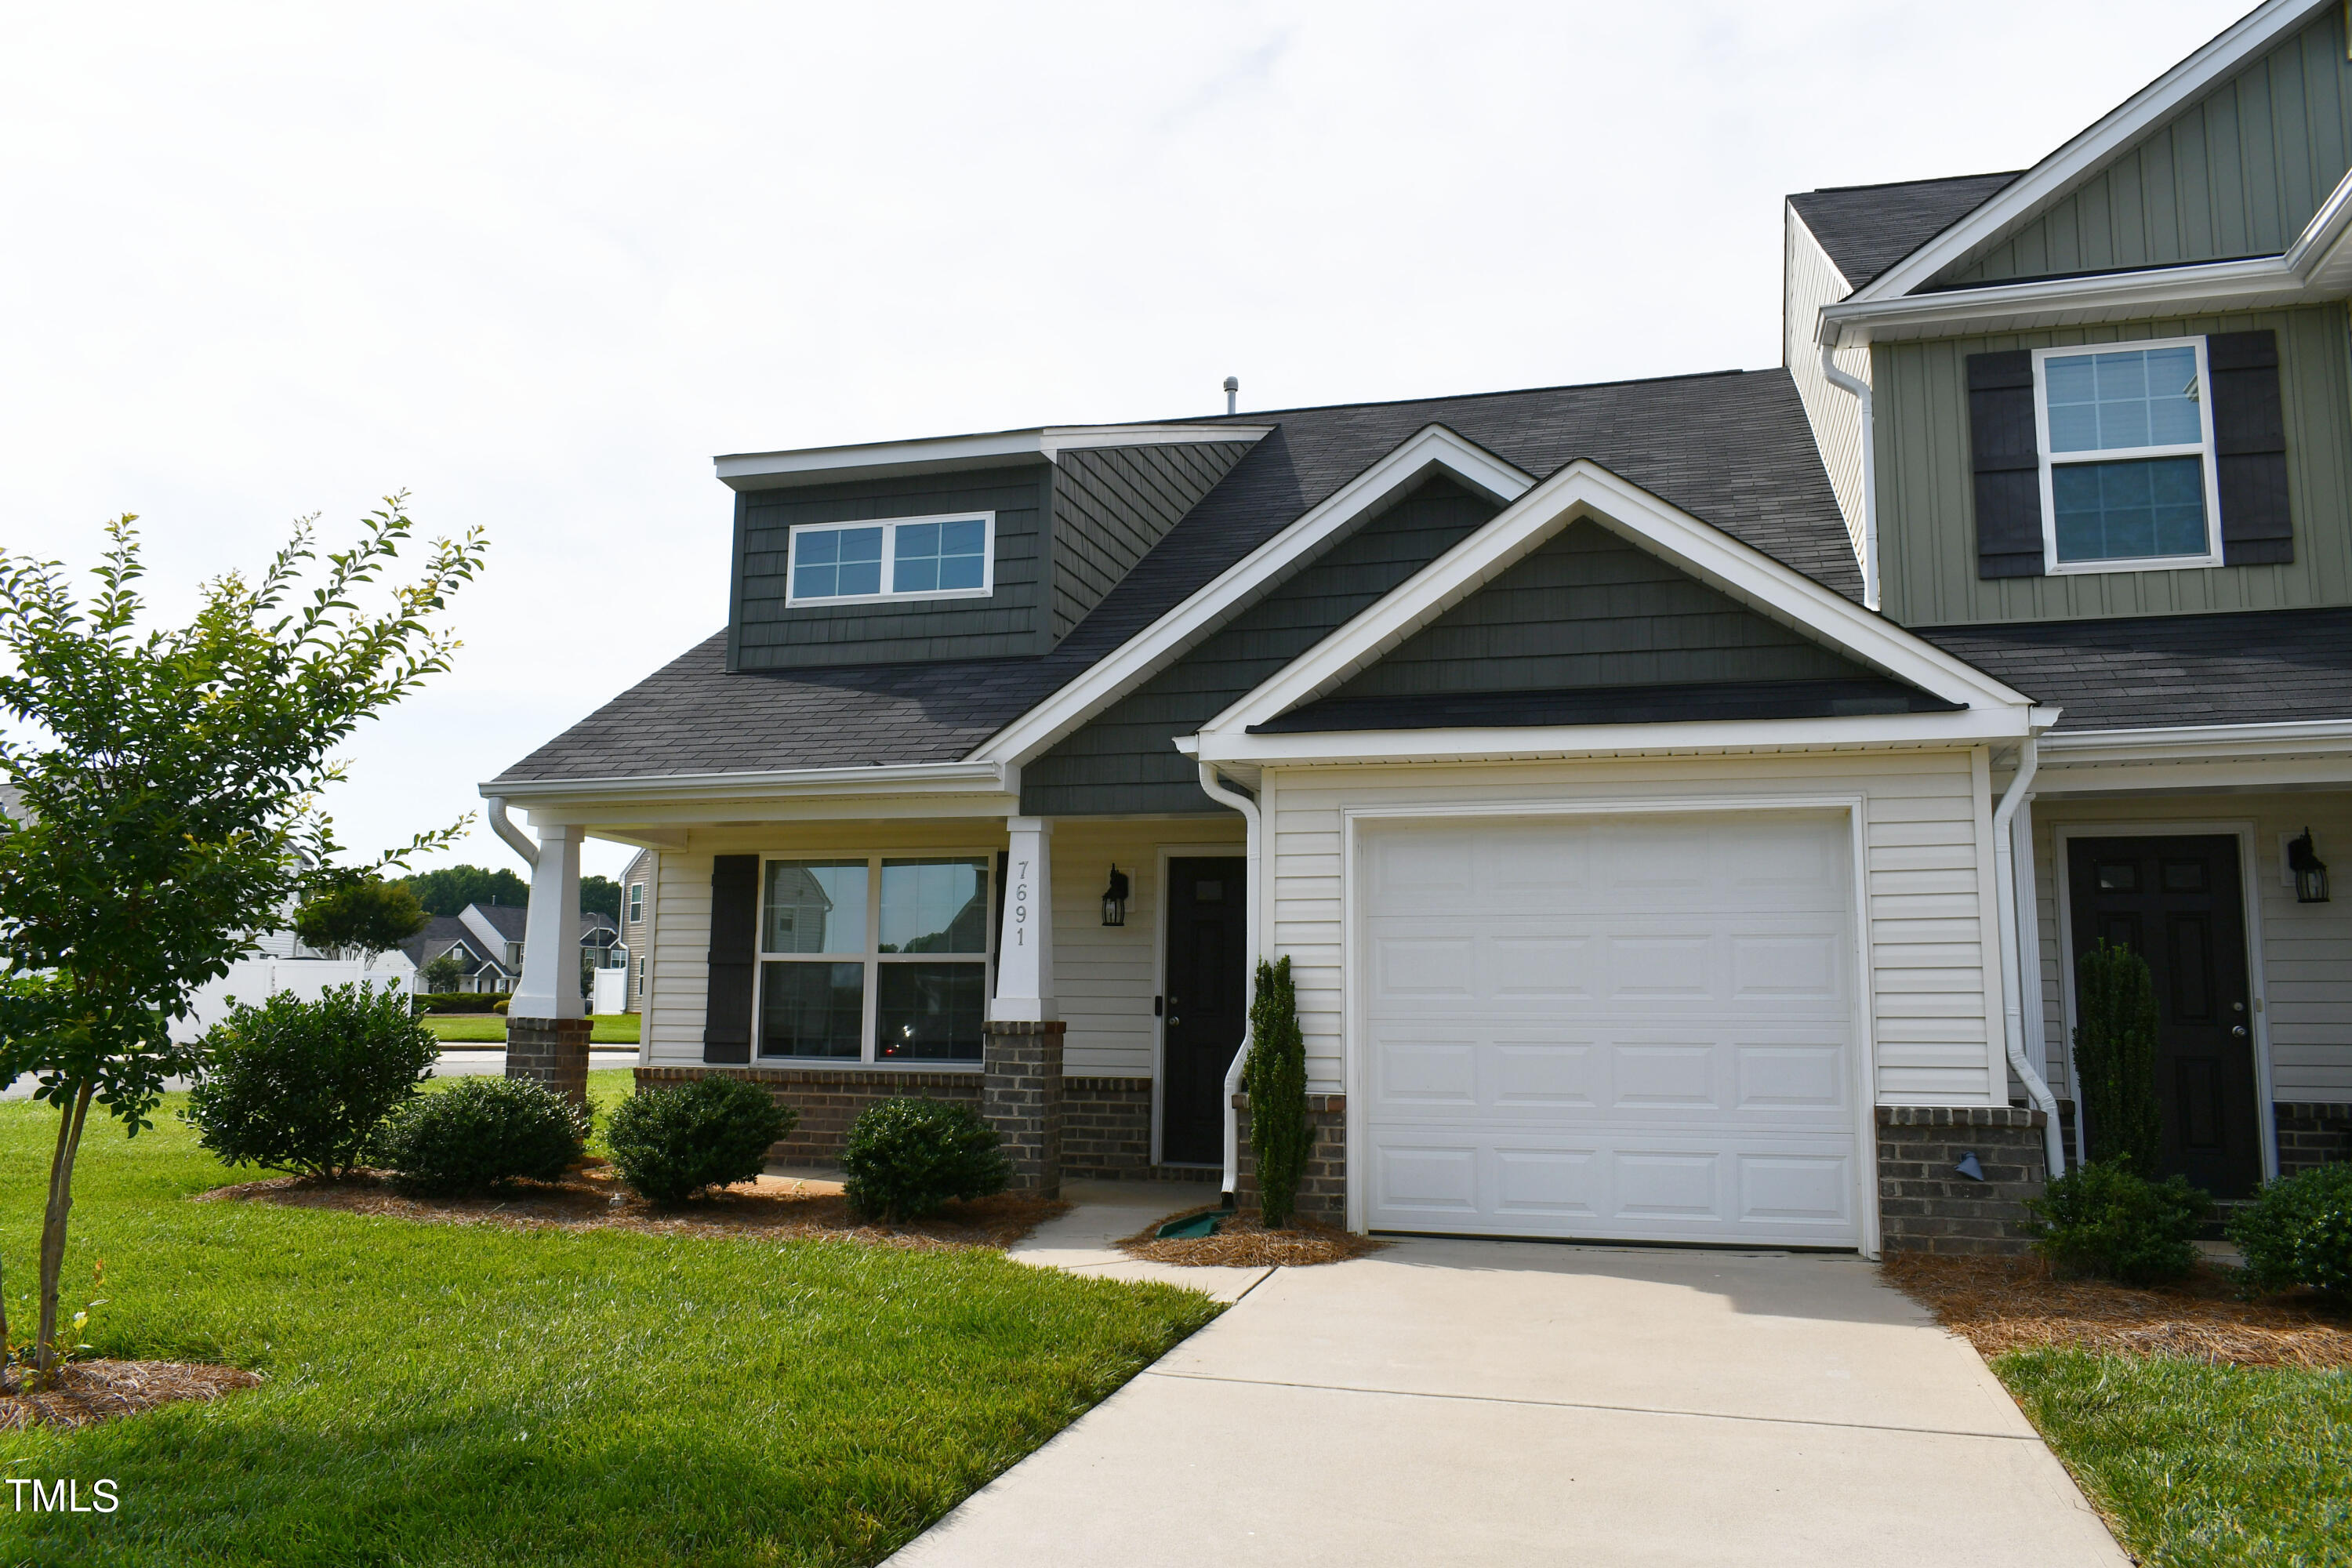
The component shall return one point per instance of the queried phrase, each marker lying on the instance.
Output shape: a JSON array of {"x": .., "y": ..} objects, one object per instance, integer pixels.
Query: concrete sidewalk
[{"x": 1453, "y": 1402}]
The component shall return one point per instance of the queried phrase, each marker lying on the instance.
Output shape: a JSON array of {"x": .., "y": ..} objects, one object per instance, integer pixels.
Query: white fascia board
[
  {"x": 2203, "y": 742},
  {"x": 2083, "y": 156},
  {"x": 1433, "y": 448},
  {"x": 811, "y": 465},
  {"x": 892, "y": 779},
  {"x": 1586, "y": 489},
  {"x": 1969, "y": 727}
]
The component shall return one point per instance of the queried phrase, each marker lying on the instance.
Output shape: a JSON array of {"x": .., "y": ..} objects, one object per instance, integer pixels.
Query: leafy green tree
[
  {"x": 168, "y": 780},
  {"x": 448, "y": 890},
  {"x": 1275, "y": 1077},
  {"x": 443, "y": 975},
  {"x": 363, "y": 916},
  {"x": 601, "y": 896},
  {"x": 2115, "y": 1053}
]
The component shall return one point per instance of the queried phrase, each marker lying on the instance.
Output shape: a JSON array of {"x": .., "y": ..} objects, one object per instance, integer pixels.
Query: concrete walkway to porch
[{"x": 1460, "y": 1401}]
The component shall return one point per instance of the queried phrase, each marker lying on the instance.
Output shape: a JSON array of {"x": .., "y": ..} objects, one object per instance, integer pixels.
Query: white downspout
[
  {"x": 2012, "y": 992},
  {"x": 503, "y": 826},
  {"x": 1861, "y": 390},
  {"x": 1217, "y": 789}
]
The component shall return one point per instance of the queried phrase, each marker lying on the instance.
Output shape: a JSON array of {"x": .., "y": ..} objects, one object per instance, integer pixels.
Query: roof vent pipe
[
  {"x": 1232, "y": 392},
  {"x": 1840, "y": 379}
]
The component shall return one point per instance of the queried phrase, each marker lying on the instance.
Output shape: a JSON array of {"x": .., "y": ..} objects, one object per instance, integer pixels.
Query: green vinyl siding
[
  {"x": 1112, "y": 504},
  {"x": 1125, "y": 758},
  {"x": 1587, "y": 609},
  {"x": 1926, "y": 528},
  {"x": 764, "y": 633},
  {"x": 2238, "y": 172}
]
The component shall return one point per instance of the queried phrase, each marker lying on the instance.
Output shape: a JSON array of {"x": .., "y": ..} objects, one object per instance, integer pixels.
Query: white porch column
[
  {"x": 550, "y": 935},
  {"x": 1025, "y": 942}
]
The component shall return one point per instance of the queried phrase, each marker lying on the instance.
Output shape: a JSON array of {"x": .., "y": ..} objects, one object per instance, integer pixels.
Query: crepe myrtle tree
[
  {"x": 168, "y": 780},
  {"x": 358, "y": 916}
]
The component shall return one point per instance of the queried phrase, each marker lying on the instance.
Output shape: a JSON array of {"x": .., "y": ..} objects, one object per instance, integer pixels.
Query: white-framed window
[
  {"x": 2128, "y": 483},
  {"x": 949, "y": 556},
  {"x": 640, "y": 976},
  {"x": 637, "y": 903},
  {"x": 875, "y": 958}
]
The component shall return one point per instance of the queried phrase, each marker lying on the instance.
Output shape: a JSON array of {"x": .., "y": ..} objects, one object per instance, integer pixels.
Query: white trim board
[
  {"x": 1433, "y": 449},
  {"x": 874, "y": 460},
  {"x": 1586, "y": 491},
  {"x": 2061, "y": 894},
  {"x": 2089, "y": 151}
]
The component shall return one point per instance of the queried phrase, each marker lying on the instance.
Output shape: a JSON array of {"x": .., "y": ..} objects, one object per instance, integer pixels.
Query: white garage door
[{"x": 1636, "y": 1029}]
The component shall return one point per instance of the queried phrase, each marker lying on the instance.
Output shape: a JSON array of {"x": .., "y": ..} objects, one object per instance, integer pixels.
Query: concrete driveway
[{"x": 1456, "y": 1402}]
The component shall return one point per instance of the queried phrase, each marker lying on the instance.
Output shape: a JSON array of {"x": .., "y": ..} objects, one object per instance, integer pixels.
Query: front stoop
[
  {"x": 550, "y": 1051},
  {"x": 1925, "y": 1204},
  {"x": 1021, "y": 1096}
]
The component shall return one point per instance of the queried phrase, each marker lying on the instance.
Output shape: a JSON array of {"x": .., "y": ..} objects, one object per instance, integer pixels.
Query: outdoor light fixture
[
  {"x": 2310, "y": 870},
  {"x": 1115, "y": 899},
  {"x": 1968, "y": 1167}
]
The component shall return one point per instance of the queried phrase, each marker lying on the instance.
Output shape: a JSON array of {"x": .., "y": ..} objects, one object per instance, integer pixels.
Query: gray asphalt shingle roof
[
  {"x": 1732, "y": 449},
  {"x": 2262, "y": 666},
  {"x": 1868, "y": 228}
]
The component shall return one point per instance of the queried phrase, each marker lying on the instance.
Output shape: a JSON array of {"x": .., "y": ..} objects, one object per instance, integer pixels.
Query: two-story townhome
[{"x": 1654, "y": 786}]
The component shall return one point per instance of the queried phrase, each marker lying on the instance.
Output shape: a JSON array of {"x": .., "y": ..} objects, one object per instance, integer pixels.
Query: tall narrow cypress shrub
[
  {"x": 1276, "y": 1079},
  {"x": 2115, "y": 1053}
]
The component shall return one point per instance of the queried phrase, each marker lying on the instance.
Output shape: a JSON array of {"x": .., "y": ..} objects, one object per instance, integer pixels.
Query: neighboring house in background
[
  {"x": 638, "y": 920},
  {"x": 487, "y": 941},
  {"x": 1680, "y": 801}
]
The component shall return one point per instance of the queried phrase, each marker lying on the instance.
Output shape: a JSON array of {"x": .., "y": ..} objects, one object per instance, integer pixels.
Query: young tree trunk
[{"x": 53, "y": 1231}]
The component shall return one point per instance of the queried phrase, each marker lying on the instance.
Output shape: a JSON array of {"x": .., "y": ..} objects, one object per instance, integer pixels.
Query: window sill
[{"x": 2135, "y": 567}]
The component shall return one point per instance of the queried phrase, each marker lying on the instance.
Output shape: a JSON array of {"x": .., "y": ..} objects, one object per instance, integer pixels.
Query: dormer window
[
  {"x": 946, "y": 557},
  {"x": 2128, "y": 473}
]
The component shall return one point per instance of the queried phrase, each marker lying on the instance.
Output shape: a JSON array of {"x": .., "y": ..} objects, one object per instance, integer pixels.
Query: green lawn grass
[
  {"x": 2199, "y": 1464},
  {"x": 610, "y": 1028},
  {"x": 441, "y": 1393}
]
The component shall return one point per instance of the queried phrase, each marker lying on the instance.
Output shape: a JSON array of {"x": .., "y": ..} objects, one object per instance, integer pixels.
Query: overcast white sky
[{"x": 536, "y": 264}]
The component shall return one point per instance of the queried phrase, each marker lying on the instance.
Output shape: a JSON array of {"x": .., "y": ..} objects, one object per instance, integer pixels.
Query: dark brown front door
[
  {"x": 2178, "y": 903},
  {"x": 1206, "y": 1004}
]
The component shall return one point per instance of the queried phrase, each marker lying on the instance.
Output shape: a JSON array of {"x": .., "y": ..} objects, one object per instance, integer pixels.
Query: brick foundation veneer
[
  {"x": 552, "y": 1051},
  {"x": 1107, "y": 1133},
  {"x": 1323, "y": 1185},
  {"x": 829, "y": 1099},
  {"x": 1021, "y": 1096},
  {"x": 1925, "y": 1205},
  {"x": 2311, "y": 1135}
]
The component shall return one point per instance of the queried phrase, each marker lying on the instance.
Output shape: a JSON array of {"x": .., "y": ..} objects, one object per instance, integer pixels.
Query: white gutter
[
  {"x": 1861, "y": 390},
  {"x": 2012, "y": 960},
  {"x": 1216, "y": 789},
  {"x": 503, "y": 826}
]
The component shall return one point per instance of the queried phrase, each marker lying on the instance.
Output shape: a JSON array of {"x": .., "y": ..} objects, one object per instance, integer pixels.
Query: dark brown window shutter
[
  {"x": 734, "y": 936},
  {"x": 2249, "y": 449},
  {"x": 2007, "y": 461}
]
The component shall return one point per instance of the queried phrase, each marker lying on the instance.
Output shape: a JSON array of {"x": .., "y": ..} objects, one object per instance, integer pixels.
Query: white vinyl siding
[
  {"x": 1810, "y": 280},
  {"x": 1927, "y": 880}
]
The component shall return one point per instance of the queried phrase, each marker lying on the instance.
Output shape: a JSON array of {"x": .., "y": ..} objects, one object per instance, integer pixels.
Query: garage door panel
[{"x": 1637, "y": 1029}]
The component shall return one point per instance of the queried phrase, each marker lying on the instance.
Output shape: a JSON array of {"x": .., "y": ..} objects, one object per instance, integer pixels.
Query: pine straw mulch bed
[
  {"x": 2003, "y": 1304},
  {"x": 1242, "y": 1241},
  {"x": 92, "y": 1391},
  {"x": 778, "y": 1208}
]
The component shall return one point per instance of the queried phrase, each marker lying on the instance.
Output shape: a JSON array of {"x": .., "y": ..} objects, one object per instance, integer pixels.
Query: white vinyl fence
[{"x": 254, "y": 980}]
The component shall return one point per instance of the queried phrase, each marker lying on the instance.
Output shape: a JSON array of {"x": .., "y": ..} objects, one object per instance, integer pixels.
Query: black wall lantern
[
  {"x": 2310, "y": 870},
  {"x": 1115, "y": 899}
]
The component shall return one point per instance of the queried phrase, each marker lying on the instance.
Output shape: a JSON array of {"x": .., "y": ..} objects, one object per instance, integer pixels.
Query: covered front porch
[
  {"x": 2209, "y": 853},
  {"x": 1081, "y": 980}
]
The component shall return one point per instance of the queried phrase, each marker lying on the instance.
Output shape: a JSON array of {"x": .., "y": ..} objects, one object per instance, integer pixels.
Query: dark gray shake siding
[{"x": 1113, "y": 504}]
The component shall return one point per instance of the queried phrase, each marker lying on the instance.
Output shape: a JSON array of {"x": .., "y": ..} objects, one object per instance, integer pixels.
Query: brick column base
[
  {"x": 1323, "y": 1185},
  {"x": 1925, "y": 1204},
  {"x": 1021, "y": 1096},
  {"x": 552, "y": 1051}
]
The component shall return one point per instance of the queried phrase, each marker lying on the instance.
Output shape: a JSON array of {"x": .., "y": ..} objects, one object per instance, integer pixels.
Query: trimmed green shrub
[
  {"x": 481, "y": 1133},
  {"x": 2299, "y": 1232},
  {"x": 906, "y": 1158},
  {"x": 2115, "y": 1053},
  {"x": 2100, "y": 1218},
  {"x": 500, "y": 1004},
  {"x": 458, "y": 1002},
  {"x": 671, "y": 1143},
  {"x": 1275, "y": 1078},
  {"x": 302, "y": 1086}
]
